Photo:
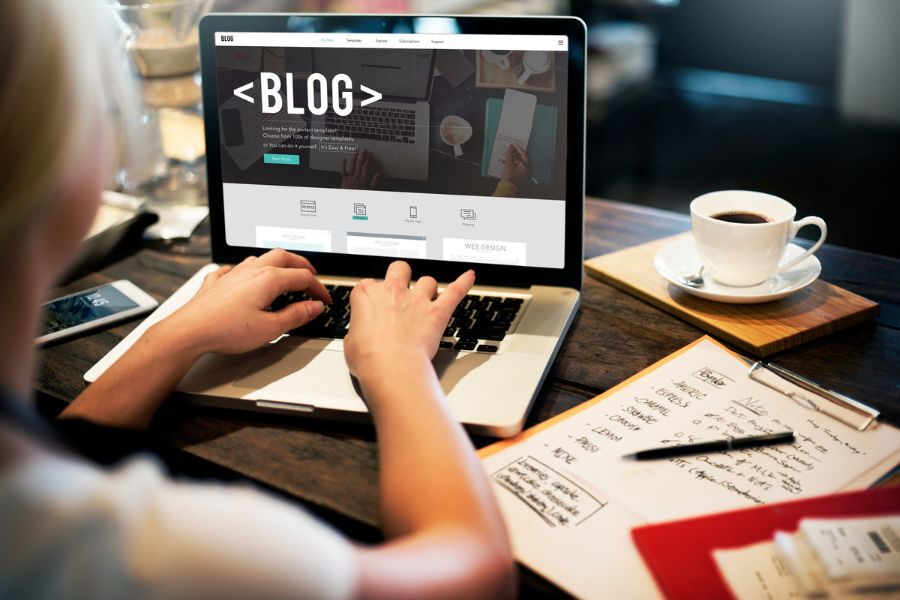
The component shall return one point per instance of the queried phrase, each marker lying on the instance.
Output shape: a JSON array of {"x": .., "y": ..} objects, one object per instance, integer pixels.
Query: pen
[{"x": 785, "y": 437}]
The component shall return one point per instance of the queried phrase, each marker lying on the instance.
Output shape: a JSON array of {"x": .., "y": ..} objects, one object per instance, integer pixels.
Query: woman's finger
[
  {"x": 398, "y": 271},
  {"x": 282, "y": 281},
  {"x": 282, "y": 258},
  {"x": 297, "y": 314},
  {"x": 213, "y": 277},
  {"x": 454, "y": 293},
  {"x": 427, "y": 286},
  {"x": 519, "y": 153}
]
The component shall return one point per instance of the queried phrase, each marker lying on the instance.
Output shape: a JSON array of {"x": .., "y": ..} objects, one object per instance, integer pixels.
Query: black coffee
[{"x": 747, "y": 218}]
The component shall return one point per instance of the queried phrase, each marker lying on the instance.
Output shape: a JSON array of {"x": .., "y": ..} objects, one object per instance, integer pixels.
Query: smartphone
[{"x": 93, "y": 308}]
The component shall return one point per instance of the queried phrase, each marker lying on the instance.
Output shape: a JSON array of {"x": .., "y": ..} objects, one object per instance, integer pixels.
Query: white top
[{"x": 72, "y": 530}]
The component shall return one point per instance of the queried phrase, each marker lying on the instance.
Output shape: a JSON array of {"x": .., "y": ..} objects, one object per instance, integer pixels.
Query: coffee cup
[
  {"x": 497, "y": 57},
  {"x": 534, "y": 62},
  {"x": 455, "y": 131},
  {"x": 741, "y": 236}
]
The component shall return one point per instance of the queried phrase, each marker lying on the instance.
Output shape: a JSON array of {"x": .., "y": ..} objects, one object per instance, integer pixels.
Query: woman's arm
[
  {"x": 228, "y": 315},
  {"x": 447, "y": 537}
]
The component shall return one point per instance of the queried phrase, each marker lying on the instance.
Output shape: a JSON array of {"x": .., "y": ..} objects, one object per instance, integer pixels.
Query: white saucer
[{"x": 679, "y": 259}]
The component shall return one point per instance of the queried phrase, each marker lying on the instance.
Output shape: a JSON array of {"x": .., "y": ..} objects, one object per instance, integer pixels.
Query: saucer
[{"x": 679, "y": 259}]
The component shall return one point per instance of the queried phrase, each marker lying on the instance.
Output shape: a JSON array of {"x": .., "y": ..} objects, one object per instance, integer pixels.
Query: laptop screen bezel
[{"x": 332, "y": 263}]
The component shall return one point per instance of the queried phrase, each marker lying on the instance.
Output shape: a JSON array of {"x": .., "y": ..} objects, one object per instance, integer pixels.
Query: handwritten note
[
  {"x": 558, "y": 500},
  {"x": 566, "y": 490}
]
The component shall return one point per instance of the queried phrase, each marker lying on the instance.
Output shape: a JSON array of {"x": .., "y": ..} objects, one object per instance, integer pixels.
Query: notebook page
[
  {"x": 516, "y": 118},
  {"x": 565, "y": 485}
]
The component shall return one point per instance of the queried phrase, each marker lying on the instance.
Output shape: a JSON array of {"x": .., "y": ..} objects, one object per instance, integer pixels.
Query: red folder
[{"x": 679, "y": 553}]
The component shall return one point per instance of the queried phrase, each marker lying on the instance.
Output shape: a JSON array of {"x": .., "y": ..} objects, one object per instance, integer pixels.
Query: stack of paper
[{"x": 824, "y": 558}]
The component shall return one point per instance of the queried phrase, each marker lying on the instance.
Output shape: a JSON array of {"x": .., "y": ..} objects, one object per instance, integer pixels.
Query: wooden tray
[
  {"x": 761, "y": 329},
  {"x": 489, "y": 75}
]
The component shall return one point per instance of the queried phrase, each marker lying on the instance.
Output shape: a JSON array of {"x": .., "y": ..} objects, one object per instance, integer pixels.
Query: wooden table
[{"x": 333, "y": 467}]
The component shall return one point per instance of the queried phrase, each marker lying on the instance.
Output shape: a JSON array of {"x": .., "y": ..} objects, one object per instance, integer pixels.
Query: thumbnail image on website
[{"x": 412, "y": 146}]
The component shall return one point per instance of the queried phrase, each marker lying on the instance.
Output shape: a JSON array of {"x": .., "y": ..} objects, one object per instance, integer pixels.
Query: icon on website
[
  {"x": 359, "y": 209},
  {"x": 413, "y": 212},
  {"x": 468, "y": 214},
  {"x": 308, "y": 206}
]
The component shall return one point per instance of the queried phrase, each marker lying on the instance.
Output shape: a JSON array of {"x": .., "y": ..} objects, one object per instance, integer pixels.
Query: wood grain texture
[
  {"x": 761, "y": 329},
  {"x": 333, "y": 468}
]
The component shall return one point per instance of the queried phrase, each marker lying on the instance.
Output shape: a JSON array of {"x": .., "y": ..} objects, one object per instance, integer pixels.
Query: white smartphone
[{"x": 92, "y": 308}]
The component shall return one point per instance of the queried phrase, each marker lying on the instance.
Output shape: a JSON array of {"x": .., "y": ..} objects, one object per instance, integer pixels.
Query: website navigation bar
[{"x": 450, "y": 41}]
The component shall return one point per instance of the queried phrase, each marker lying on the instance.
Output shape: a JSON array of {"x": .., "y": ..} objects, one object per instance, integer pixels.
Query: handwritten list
[{"x": 568, "y": 494}]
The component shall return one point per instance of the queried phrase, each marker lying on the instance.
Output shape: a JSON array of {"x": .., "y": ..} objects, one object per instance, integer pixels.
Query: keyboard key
[
  {"x": 445, "y": 345},
  {"x": 481, "y": 334},
  {"x": 466, "y": 344},
  {"x": 486, "y": 348},
  {"x": 494, "y": 336}
]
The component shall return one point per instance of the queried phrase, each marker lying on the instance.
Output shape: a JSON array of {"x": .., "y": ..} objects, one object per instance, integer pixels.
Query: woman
[{"x": 68, "y": 527}]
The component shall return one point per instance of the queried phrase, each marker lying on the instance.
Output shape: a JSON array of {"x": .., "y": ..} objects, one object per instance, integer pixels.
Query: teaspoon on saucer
[{"x": 694, "y": 281}]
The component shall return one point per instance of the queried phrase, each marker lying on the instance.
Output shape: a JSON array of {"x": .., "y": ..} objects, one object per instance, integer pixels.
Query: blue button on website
[{"x": 281, "y": 159}]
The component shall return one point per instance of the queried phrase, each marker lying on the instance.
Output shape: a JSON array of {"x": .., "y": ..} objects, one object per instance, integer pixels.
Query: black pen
[{"x": 785, "y": 437}]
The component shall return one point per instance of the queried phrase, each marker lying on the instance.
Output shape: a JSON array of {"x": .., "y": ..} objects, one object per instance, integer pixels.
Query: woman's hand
[
  {"x": 229, "y": 314},
  {"x": 361, "y": 172},
  {"x": 516, "y": 166},
  {"x": 390, "y": 322}
]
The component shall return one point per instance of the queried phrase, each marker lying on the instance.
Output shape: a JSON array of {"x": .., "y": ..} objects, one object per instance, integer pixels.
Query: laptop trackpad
[{"x": 298, "y": 369}]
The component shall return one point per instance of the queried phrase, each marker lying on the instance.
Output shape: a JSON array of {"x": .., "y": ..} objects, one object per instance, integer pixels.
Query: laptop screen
[{"x": 448, "y": 147}]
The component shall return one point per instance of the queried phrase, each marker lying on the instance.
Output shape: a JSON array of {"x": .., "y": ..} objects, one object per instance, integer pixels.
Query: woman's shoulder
[{"x": 142, "y": 528}]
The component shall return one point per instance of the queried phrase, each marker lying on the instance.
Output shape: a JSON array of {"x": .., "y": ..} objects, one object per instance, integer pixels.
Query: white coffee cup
[
  {"x": 455, "y": 131},
  {"x": 497, "y": 57},
  {"x": 744, "y": 254},
  {"x": 534, "y": 62}
]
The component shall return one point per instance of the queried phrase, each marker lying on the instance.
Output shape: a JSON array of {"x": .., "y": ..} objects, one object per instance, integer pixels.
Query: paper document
[
  {"x": 826, "y": 558},
  {"x": 866, "y": 548},
  {"x": 758, "y": 572},
  {"x": 516, "y": 118},
  {"x": 570, "y": 499}
]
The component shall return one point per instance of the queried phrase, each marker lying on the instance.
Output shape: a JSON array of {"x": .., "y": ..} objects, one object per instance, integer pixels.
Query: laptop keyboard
[
  {"x": 478, "y": 324},
  {"x": 376, "y": 123}
]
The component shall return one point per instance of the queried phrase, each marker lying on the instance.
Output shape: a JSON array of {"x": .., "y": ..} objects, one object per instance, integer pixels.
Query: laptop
[
  {"x": 268, "y": 82},
  {"x": 396, "y": 129}
]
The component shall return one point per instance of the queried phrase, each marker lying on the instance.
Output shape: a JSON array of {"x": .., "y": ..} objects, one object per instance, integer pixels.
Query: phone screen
[{"x": 84, "y": 307}]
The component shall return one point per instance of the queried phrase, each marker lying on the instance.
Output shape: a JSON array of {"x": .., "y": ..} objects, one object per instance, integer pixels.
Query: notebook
[{"x": 541, "y": 145}]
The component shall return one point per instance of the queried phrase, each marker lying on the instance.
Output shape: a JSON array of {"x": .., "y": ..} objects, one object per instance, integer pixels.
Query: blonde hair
[{"x": 49, "y": 93}]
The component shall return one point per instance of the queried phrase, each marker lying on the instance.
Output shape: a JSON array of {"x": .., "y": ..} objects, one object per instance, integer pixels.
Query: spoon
[{"x": 694, "y": 281}]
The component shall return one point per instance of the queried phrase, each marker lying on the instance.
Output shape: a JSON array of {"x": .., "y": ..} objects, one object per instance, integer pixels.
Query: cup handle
[
  {"x": 524, "y": 77},
  {"x": 795, "y": 227}
]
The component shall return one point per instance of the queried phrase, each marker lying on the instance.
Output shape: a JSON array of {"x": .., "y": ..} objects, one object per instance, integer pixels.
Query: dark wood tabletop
[{"x": 332, "y": 467}]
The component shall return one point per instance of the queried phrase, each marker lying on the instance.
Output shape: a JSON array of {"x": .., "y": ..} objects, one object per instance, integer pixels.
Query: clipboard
[
  {"x": 550, "y": 479},
  {"x": 813, "y": 396}
]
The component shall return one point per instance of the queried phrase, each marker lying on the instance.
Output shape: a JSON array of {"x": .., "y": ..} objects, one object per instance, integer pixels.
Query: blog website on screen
[{"x": 446, "y": 147}]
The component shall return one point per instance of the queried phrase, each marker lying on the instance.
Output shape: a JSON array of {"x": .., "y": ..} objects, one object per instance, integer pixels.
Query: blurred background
[{"x": 800, "y": 99}]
